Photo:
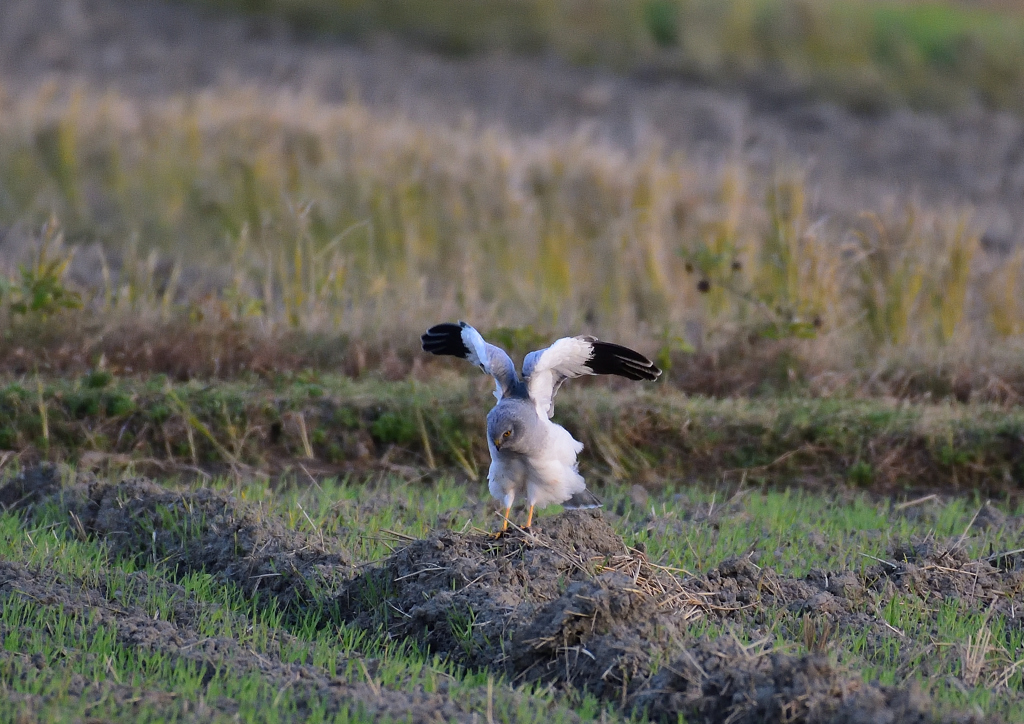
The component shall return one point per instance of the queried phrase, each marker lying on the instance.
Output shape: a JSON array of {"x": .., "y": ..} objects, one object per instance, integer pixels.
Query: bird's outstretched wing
[
  {"x": 546, "y": 369},
  {"x": 461, "y": 340}
]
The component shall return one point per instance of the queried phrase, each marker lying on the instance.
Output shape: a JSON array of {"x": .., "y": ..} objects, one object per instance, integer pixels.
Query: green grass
[
  {"x": 784, "y": 529},
  {"x": 81, "y": 640},
  {"x": 780, "y": 524},
  {"x": 868, "y": 53}
]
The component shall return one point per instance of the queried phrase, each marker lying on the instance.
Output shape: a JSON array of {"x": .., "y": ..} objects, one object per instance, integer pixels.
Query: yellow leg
[
  {"x": 504, "y": 526},
  {"x": 529, "y": 517}
]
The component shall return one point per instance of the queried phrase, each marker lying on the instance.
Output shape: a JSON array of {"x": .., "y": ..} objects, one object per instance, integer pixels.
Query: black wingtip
[
  {"x": 614, "y": 359},
  {"x": 444, "y": 339}
]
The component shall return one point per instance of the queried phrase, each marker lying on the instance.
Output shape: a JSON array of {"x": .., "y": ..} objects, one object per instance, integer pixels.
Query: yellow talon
[{"x": 504, "y": 526}]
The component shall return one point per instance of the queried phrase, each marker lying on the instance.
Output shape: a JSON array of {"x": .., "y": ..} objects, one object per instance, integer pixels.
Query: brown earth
[{"x": 566, "y": 604}]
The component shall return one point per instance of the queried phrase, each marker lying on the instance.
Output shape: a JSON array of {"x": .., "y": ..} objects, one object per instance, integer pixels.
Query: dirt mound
[
  {"x": 201, "y": 530},
  {"x": 30, "y": 487},
  {"x": 568, "y": 604},
  {"x": 463, "y": 594},
  {"x": 938, "y": 572},
  {"x": 725, "y": 681}
]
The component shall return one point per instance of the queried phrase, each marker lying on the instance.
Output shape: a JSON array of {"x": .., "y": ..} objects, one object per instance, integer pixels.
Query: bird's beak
[{"x": 497, "y": 443}]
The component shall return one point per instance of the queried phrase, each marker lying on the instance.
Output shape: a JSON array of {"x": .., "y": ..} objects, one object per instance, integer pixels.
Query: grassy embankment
[
  {"x": 654, "y": 437},
  {"x": 870, "y": 54}
]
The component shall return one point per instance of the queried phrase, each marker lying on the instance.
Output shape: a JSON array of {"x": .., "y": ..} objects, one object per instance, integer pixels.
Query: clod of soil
[
  {"x": 725, "y": 681},
  {"x": 202, "y": 530},
  {"x": 938, "y": 572},
  {"x": 30, "y": 487}
]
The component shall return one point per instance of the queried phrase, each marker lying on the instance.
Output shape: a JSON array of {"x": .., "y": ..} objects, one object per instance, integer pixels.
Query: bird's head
[{"x": 507, "y": 427}]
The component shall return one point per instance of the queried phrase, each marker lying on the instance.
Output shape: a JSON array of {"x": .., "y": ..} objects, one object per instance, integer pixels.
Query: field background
[
  {"x": 223, "y": 176},
  {"x": 225, "y": 223}
]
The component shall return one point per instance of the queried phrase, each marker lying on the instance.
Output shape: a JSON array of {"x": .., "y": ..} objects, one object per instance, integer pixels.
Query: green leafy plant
[
  {"x": 392, "y": 427},
  {"x": 40, "y": 289},
  {"x": 662, "y": 18},
  {"x": 861, "y": 473}
]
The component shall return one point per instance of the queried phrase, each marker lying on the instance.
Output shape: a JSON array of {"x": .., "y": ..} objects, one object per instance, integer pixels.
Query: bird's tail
[{"x": 582, "y": 501}]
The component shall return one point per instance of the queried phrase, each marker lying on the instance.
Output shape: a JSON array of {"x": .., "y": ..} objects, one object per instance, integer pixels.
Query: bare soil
[{"x": 565, "y": 604}]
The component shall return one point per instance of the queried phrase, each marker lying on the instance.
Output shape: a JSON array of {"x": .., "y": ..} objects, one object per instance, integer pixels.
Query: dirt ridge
[
  {"x": 137, "y": 629},
  {"x": 200, "y": 530}
]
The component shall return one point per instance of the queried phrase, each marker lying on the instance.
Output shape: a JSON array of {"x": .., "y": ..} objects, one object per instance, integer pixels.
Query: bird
[{"x": 533, "y": 457}]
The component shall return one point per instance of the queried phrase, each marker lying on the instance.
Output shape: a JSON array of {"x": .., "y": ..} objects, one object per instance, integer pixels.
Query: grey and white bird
[{"x": 531, "y": 456}]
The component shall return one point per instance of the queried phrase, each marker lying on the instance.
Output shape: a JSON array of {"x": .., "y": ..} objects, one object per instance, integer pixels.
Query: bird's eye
[{"x": 507, "y": 433}]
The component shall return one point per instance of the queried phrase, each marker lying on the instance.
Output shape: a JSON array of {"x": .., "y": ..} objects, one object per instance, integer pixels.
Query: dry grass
[{"x": 268, "y": 215}]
